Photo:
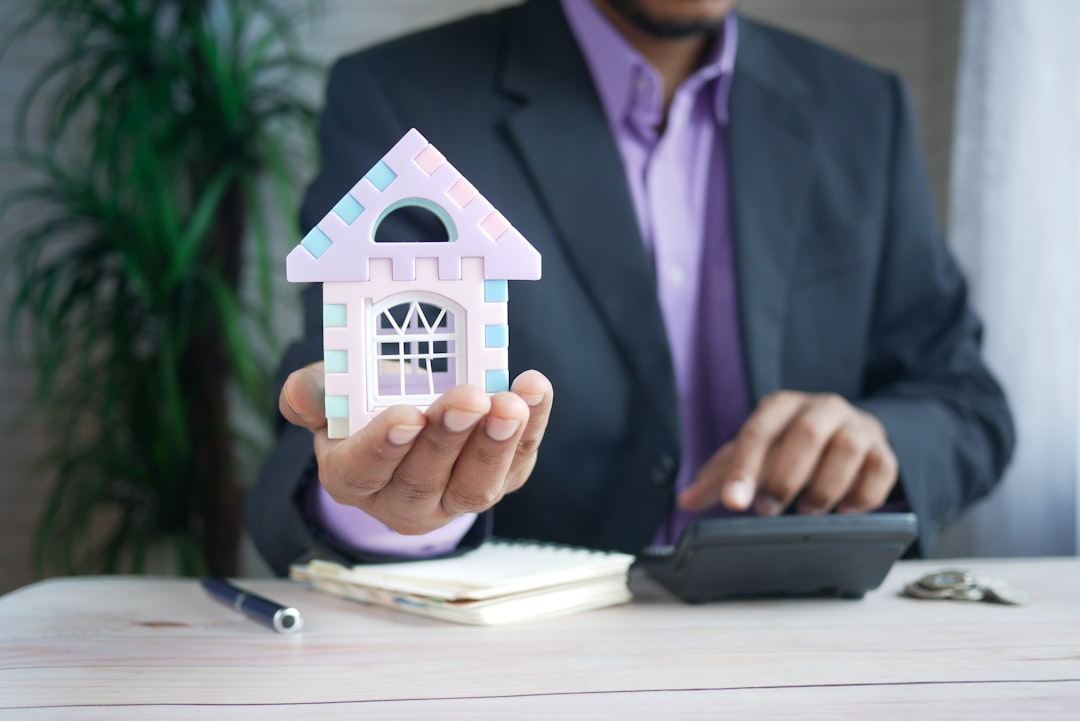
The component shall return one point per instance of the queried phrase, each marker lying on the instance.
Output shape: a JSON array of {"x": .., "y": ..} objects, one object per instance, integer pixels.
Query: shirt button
[{"x": 662, "y": 472}]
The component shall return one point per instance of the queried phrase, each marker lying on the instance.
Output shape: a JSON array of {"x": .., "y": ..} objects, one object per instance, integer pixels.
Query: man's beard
[{"x": 660, "y": 27}]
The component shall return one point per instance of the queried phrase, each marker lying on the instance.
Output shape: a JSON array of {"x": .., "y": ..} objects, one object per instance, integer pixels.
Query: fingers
[
  {"x": 820, "y": 428},
  {"x": 502, "y": 453},
  {"x": 711, "y": 486},
  {"x": 416, "y": 471},
  {"x": 760, "y": 433},
  {"x": 536, "y": 391},
  {"x": 411, "y": 501},
  {"x": 732, "y": 476},
  {"x": 830, "y": 451},
  {"x": 478, "y": 479},
  {"x": 839, "y": 468},
  {"x": 301, "y": 398},
  {"x": 353, "y": 470},
  {"x": 814, "y": 447},
  {"x": 472, "y": 451},
  {"x": 876, "y": 481}
]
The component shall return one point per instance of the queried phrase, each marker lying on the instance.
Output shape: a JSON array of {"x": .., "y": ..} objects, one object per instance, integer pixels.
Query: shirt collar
[{"x": 630, "y": 88}]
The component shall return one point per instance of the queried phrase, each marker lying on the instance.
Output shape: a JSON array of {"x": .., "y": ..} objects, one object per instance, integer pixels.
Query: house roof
[{"x": 413, "y": 172}]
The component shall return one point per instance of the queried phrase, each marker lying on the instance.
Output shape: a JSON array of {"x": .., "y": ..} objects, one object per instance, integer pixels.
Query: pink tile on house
[
  {"x": 495, "y": 224},
  {"x": 430, "y": 159},
  {"x": 462, "y": 192}
]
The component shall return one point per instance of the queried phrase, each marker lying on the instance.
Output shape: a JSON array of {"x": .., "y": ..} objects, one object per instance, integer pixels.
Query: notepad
[{"x": 500, "y": 582}]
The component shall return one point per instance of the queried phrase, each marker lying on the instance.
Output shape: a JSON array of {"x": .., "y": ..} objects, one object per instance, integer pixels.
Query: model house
[{"x": 405, "y": 321}]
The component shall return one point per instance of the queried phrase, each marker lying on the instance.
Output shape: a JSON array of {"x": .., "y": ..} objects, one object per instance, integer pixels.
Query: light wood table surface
[{"x": 145, "y": 648}]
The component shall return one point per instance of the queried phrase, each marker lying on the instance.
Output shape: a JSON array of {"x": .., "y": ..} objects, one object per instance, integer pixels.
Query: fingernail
[
  {"x": 400, "y": 435},
  {"x": 740, "y": 493},
  {"x": 533, "y": 399},
  {"x": 457, "y": 421},
  {"x": 499, "y": 429},
  {"x": 810, "y": 509},
  {"x": 768, "y": 506}
]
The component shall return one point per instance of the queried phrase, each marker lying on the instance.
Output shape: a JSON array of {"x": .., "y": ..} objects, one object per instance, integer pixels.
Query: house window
[{"x": 418, "y": 350}]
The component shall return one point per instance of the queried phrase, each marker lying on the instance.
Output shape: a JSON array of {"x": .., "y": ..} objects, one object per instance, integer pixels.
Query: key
[
  {"x": 1001, "y": 591},
  {"x": 947, "y": 581},
  {"x": 967, "y": 592},
  {"x": 965, "y": 586},
  {"x": 950, "y": 584}
]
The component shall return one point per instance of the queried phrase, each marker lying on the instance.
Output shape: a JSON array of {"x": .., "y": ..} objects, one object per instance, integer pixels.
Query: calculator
[{"x": 839, "y": 555}]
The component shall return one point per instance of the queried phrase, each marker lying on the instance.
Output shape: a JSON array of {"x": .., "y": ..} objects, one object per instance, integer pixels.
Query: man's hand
[
  {"x": 814, "y": 447},
  {"x": 417, "y": 471}
]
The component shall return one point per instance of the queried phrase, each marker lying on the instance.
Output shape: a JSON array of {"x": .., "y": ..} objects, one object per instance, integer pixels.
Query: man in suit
[{"x": 746, "y": 305}]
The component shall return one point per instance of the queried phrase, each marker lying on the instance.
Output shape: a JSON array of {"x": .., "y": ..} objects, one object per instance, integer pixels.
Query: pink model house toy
[{"x": 404, "y": 322}]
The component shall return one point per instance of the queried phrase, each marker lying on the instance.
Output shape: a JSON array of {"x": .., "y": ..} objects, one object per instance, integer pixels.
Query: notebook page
[{"x": 496, "y": 568}]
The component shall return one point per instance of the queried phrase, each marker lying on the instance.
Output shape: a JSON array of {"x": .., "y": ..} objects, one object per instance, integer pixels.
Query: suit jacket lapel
[
  {"x": 583, "y": 185},
  {"x": 770, "y": 144}
]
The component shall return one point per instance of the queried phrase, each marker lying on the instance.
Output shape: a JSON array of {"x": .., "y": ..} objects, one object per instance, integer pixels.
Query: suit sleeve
[{"x": 946, "y": 416}]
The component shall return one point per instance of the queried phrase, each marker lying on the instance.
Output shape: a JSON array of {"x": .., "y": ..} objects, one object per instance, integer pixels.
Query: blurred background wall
[{"x": 919, "y": 39}]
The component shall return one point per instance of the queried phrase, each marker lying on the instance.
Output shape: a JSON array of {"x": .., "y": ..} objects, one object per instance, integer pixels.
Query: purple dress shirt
[{"x": 678, "y": 181}]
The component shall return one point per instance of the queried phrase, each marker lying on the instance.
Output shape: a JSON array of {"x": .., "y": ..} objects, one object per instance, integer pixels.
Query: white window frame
[{"x": 455, "y": 339}]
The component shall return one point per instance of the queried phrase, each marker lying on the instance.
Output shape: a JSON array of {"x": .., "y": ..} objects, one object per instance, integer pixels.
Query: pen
[{"x": 260, "y": 610}]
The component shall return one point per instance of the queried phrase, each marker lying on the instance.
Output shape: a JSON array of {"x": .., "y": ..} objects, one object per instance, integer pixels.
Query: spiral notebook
[{"x": 500, "y": 582}]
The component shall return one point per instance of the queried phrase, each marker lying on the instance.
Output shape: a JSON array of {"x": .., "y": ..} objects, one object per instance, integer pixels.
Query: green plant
[{"x": 161, "y": 122}]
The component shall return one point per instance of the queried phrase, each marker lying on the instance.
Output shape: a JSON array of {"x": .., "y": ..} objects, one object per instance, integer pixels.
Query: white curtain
[{"x": 1015, "y": 226}]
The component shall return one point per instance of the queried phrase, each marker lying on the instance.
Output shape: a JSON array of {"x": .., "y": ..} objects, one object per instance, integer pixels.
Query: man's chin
[{"x": 638, "y": 13}]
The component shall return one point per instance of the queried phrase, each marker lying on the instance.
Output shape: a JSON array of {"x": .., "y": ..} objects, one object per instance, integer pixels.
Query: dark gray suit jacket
[{"x": 844, "y": 282}]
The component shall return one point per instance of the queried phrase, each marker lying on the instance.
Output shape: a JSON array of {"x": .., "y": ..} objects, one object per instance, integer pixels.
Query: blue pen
[{"x": 260, "y": 610}]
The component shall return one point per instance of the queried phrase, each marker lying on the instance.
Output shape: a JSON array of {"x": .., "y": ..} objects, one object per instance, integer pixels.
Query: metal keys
[{"x": 966, "y": 586}]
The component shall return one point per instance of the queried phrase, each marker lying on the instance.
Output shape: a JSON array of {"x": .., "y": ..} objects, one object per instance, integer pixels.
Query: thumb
[{"x": 302, "y": 397}]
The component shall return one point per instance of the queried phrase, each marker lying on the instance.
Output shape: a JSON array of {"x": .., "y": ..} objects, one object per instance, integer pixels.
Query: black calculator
[{"x": 840, "y": 555}]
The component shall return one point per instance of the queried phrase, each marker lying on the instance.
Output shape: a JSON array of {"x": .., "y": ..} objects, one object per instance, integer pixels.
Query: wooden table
[{"x": 122, "y": 647}]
